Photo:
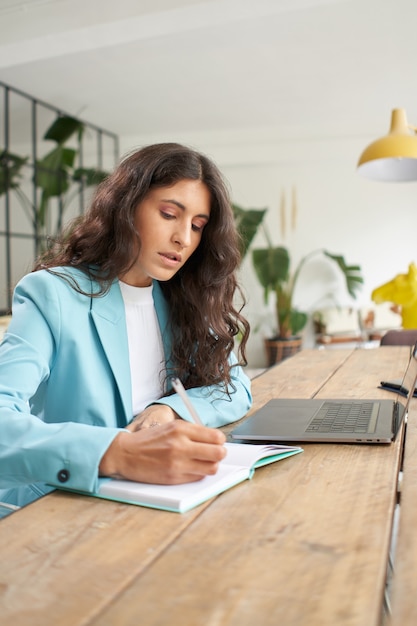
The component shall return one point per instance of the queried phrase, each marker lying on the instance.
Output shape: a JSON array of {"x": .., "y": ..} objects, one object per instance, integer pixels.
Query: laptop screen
[{"x": 410, "y": 377}]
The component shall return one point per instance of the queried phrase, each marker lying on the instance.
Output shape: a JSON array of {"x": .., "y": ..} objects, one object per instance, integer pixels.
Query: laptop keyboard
[{"x": 346, "y": 417}]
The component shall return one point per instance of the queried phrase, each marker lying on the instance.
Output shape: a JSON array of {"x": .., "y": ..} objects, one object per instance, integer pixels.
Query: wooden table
[{"x": 305, "y": 542}]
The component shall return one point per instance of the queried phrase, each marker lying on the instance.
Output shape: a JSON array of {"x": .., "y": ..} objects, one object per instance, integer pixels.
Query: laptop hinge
[{"x": 397, "y": 416}]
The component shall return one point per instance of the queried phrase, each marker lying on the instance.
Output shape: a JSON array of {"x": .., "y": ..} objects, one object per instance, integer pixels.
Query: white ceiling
[{"x": 302, "y": 69}]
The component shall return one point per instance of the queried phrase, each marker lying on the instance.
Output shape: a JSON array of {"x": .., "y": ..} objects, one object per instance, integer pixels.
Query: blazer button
[{"x": 63, "y": 475}]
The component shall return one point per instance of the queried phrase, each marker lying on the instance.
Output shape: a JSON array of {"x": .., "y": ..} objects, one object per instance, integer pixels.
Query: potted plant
[
  {"x": 273, "y": 270},
  {"x": 272, "y": 266},
  {"x": 56, "y": 176}
]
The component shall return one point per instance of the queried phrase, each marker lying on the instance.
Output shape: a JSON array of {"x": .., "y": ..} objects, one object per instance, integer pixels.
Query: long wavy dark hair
[{"x": 205, "y": 319}]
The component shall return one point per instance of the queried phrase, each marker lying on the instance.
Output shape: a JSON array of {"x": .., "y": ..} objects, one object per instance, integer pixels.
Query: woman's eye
[
  {"x": 199, "y": 226},
  {"x": 167, "y": 216}
]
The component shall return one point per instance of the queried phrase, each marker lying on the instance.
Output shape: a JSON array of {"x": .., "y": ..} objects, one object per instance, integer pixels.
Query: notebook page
[{"x": 246, "y": 454}]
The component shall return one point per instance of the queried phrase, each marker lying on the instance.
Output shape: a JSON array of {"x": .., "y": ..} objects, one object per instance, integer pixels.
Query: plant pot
[{"x": 279, "y": 349}]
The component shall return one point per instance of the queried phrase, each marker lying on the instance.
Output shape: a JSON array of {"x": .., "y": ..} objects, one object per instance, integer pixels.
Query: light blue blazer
[{"x": 65, "y": 385}]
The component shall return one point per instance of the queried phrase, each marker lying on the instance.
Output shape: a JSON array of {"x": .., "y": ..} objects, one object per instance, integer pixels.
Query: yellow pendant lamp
[{"x": 392, "y": 158}]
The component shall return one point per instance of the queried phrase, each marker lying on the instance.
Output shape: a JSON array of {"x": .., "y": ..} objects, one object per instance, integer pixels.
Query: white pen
[{"x": 179, "y": 388}]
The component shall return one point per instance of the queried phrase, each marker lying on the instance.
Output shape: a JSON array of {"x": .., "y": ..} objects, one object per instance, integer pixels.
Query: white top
[{"x": 146, "y": 352}]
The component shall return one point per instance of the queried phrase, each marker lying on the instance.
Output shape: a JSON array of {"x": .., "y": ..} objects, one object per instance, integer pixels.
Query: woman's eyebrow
[{"x": 183, "y": 207}]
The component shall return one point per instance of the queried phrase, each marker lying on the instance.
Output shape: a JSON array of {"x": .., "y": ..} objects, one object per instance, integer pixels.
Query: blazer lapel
[
  {"x": 107, "y": 313},
  {"x": 161, "y": 308}
]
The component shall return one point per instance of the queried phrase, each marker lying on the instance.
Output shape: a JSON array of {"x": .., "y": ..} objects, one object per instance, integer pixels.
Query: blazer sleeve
[
  {"x": 216, "y": 406},
  {"x": 65, "y": 453}
]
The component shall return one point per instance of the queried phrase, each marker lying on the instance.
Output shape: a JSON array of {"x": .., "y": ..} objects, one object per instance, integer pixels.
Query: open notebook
[{"x": 238, "y": 465}]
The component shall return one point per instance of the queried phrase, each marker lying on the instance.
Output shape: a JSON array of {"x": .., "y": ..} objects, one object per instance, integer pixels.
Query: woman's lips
[{"x": 170, "y": 258}]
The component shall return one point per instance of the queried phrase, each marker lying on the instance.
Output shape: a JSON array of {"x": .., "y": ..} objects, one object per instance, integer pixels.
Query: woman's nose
[{"x": 182, "y": 236}]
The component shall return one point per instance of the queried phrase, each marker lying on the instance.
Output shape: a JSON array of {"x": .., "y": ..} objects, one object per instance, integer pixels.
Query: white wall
[{"x": 372, "y": 224}]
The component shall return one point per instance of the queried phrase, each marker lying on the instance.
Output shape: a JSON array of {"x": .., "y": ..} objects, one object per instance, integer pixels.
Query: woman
[{"x": 138, "y": 290}]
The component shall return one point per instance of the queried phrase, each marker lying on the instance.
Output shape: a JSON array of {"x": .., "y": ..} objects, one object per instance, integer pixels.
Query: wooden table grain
[
  {"x": 305, "y": 542},
  {"x": 404, "y": 585}
]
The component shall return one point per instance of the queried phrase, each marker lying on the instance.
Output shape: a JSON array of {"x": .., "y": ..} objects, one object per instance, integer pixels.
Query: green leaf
[
  {"x": 53, "y": 171},
  {"x": 272, "y": 266},
  {"x": 352, "y": 273},
  {"x": 63, "y": 128},
  {"x": 42, "y": 209},
  {"x": 247, "y": 223},
  {"x": 10, "y": 170},
  {"x": 89, "y": 176},
  {"x": 298, "y": 321}
]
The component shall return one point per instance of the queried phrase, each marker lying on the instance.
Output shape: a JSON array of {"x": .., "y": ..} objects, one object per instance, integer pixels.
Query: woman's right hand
[{"x": 172, "y": 453}]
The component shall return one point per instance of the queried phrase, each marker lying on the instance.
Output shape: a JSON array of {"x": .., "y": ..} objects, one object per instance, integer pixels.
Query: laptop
[{"x": 330, "y": 420}]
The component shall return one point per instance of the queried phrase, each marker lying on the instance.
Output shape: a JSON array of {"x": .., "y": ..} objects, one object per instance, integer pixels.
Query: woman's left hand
[{"x": 152, "y": 416}]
